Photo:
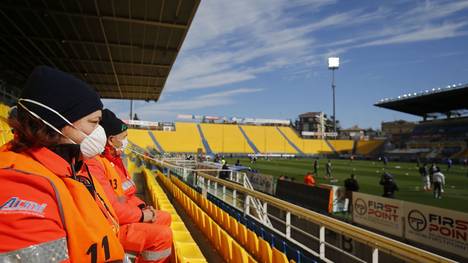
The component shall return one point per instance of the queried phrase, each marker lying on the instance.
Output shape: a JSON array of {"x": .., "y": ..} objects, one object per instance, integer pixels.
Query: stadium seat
[
  {"x": 182, "y": 236},
  {"x": 265, "y": 254},
  {"x": 307, "y": 146},
  {"x": 207, "y": 229},
  {"x": 233, "y": 226},
  {"x": 226, "y": 246},
  {"x": 252, "y": 242},
  {"x": 225, "y": 138},
  {"x": 140, "y": 138},
  {"x": 189, "y": 252},
  {"x": 278, "y": 256},
  {"x": 185, "y": 248},
  {"x": 342, "y": 145},
  {"x": 242, "y": 234},
  {"x": 226, "y": 223},
  {"x": 268, "y": 139},
  {"x": 185, "y": 138},
  {"x": 215, "y": 240},
  {"x": 238, "y": 254},
  {"x": 367, "y": 147}
]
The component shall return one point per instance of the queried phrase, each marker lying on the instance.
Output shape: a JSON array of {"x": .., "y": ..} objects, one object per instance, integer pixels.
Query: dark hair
[{"x": 30, "y": 132}]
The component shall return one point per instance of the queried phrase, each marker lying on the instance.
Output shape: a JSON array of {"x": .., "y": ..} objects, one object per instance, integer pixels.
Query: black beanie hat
[
  {"x": 111, "y": 124},
  {"x": 68, "y": 95}
]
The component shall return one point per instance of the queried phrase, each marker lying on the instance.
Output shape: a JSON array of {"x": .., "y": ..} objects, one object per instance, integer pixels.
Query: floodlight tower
[{"x": 333, "y": 63}]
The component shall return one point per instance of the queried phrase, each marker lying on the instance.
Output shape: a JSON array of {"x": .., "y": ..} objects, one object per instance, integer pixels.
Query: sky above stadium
[{"x": 268, "y": 59}]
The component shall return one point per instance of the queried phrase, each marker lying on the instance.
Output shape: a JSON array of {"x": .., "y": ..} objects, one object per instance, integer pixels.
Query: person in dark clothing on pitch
[
  {"x": 316, "y": 166},
  {"x": 351, "y": 185},
  {"x": 389, "y": 185}
]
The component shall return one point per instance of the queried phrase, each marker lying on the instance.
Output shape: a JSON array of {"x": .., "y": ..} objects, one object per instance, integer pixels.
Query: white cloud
[
  {"x": 431, "y": 21},
  {"x": 422, "y": 34},
  {"x": 235, "y": 41}
]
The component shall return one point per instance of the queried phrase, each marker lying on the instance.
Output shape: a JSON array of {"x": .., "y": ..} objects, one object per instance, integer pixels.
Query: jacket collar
[{"x": 58, "y": 160}]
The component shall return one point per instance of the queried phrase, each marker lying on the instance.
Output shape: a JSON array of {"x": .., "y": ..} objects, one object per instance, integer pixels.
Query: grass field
[{"x": 368, "y": 175}]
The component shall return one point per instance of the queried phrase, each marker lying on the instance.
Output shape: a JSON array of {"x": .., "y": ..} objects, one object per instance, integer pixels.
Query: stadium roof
[
  {"x": 124, "y": 48},
  {"x": 436, "y": 101}
]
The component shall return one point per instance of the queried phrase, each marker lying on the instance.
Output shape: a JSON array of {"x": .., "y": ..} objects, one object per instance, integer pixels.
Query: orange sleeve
[
  {"x": 29, "y": 212},
  {"x": 133, "y": 199},
  {"x": 126, "y": 212}
]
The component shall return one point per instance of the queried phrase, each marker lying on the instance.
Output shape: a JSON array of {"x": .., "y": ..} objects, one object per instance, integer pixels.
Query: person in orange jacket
[
  {"x": 145, "y": 231},
  {"x": 309, "y": 179},
  {"x": 51, "y": 209}
]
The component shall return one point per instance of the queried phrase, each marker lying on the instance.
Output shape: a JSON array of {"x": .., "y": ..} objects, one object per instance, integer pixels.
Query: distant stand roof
[
  {"x": 125, "y": 49},
  {"x": 436, "y": 101}
]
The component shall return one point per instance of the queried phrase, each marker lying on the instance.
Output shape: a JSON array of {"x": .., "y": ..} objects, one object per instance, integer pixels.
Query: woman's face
[{"x": 87, "y": 124}]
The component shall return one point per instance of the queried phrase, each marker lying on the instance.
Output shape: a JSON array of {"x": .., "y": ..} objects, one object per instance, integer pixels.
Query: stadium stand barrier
[{"x": 377, "y": 246}]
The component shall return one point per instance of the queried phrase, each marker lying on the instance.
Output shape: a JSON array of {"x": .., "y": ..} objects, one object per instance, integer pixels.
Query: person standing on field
[{"x": 438, "y": 181}]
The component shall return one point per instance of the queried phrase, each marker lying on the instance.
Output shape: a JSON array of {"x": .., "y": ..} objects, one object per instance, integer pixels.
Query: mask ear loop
[{"x": 47, "y": 123}]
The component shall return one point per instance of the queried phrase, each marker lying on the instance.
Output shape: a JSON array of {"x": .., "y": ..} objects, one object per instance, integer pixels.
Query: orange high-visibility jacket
[
  {"x": 128, "y": 186},
  {"x": 105, "y": 172},
  {"x": 46, "y": 214},
  {"x": 309, "y": 180}
]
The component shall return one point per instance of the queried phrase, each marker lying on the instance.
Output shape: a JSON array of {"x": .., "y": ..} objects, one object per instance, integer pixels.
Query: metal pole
[
  {"x": 333, "y": 88},
  {"x": 131, "y": 109}
]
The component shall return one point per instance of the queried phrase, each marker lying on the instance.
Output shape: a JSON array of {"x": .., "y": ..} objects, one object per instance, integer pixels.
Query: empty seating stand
[
  {"x": 185, "y": 248},
  {"x": 232, "y": 239}
]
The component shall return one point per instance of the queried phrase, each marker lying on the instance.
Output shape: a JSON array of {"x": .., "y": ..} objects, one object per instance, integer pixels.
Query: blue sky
[{"x": 268, "y": 58}]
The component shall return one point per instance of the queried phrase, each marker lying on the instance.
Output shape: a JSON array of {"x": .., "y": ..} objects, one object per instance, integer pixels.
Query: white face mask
[
  {"x": 124, "y": 144},
  {"x": 92, "y": 145},
  {"x": 122, "y": 148}
]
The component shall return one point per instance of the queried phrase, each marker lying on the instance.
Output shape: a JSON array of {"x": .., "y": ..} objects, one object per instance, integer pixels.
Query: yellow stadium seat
[
  {"x": 238, "y": 254},
  {"x": 342, "y": 145},
  {"x": 278, "y": 256},
  {"x": 185, "y": 138},
  {"x": 250, "y": 259},
  {"x": 242, "y": 234},
  {"x": 185, "y": 248},
  {"x": 182, "y": 236},
  {"x": 189, "y": 252},
  {"x": 215, "y": 240},
  {"x": 218, "y": 216},
  {"x": 207, "y": 228},
  {"x": 199, "y": 218},
  {"x": 233, "y": 226},
  {"x": 366, "y": 147},
  {"x": 268, "y": 139},
  {"x": 176, "y": 218},
  {"x": 226, "y": 246},
  {"x": 252, "y": 242},
  {"x": 178, "y": 226},
  {"x": 225, "y": 138},
  {"x": 212, "y": 210},
  {"x": 226, "y": 221},
  {"x": 265, "y": 254},
  {"x": 308, "y": 146}
]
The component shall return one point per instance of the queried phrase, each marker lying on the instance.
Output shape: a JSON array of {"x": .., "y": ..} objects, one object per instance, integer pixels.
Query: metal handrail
[{"x": 388, "y": 245}]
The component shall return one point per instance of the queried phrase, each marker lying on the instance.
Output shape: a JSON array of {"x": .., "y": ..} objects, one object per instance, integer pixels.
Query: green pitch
[{"x": 368, "y": 175}]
